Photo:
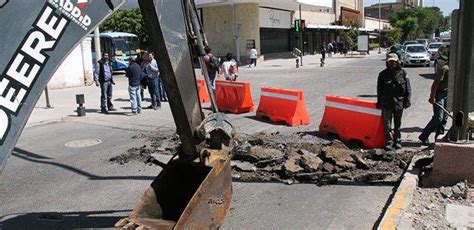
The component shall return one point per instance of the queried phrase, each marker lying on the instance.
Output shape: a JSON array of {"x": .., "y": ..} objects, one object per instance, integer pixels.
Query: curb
[{"x": 394, "y": 217}]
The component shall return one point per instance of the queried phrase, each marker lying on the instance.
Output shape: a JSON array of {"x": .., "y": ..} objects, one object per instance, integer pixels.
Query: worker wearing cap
[
  {"x": 439, "y": 98},
  {"x": 393, "y": 95}
]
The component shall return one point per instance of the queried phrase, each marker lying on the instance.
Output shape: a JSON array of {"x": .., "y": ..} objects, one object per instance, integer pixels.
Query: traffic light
[{"x": 299, "y": 25}]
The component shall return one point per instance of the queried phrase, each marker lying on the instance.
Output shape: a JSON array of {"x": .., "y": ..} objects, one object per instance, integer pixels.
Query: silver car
[
  {"x": 433, "y": 49},
  {"x": 416, "y": 54}
]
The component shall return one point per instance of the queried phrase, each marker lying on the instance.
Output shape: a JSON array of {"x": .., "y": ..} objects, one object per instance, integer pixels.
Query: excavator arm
[{"x": 194, "y": 188}]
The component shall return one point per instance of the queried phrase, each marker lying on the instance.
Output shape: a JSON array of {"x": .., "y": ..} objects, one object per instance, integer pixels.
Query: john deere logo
[{"x": 3, "y": 3}]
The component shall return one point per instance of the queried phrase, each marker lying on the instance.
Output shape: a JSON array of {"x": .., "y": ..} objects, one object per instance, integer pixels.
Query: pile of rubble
[
  {"x": 306, "y": 158},
  {"x": 295, "y": 158},
  {"x": 428, "y": 207},
  {"x": 165, "y": 143}
]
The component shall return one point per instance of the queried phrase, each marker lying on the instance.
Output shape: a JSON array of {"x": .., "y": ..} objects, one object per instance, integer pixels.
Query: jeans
[
  {"x": 163, "y": 95},
  {"x": 135, "y": 98},
  {"x": 212, "y": 77},
  {"x": 392, "y": 136},
  {"x": 440, "y": 118},
  {"x": 106, "y": 95},
  {"x": 154, "y": 88}
]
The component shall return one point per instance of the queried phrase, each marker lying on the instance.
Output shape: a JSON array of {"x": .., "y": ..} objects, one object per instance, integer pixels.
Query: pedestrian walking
[
  {"x": 330, "y": 49},
  {"x": 323, "y": 53},
  {"x": 134, "y": 75},
  {"x": 103, "y": 78},
  {"x": 153, "y": 78},
  {"x": 438, "y": 98},
  {"x": 253, "y": 57},
  {"x": 229, "y": 68},
  {"x": 212, "y": 64},
  {"x": 393, "y": 96}
]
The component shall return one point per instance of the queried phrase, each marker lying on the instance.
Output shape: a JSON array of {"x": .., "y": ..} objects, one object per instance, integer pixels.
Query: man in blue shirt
[
  {"x": 134, "y": 75},
  {"x": 103, "y": 77}
]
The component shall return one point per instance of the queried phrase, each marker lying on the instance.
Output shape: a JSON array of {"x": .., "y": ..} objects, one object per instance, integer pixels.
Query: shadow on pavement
[
  {"x": 367, "y": 95},
  {"x": 428, "y": 75},
  {"x": 33, "y": 157},
  {"x": 266, "y": 121},
  {"x": 411, "y": 130},
  {"x": 61, "y": 220}
]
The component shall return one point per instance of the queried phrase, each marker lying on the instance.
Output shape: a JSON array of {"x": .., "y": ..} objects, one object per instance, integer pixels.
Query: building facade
[{"x": 236, "y": 26}]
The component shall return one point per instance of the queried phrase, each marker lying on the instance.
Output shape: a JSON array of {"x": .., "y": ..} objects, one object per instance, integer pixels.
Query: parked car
[
  {"x": 423, "y": 42},
  {"x": 409, "y": 43},
  {"x": 415, "y": 54},
  {"x": 433, "y": 49}
]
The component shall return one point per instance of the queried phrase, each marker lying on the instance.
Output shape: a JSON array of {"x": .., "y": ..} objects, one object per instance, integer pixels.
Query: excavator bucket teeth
[{"x": 185, "y": 195}]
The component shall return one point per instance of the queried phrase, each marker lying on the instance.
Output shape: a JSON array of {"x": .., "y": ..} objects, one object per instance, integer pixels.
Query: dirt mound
[
  {"x": 305, "y": 158},
  {"x": 296, "y": 158}
]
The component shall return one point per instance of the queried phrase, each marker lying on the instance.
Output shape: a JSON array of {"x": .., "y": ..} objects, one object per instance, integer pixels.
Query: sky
[{"x": 447, "y": 6}]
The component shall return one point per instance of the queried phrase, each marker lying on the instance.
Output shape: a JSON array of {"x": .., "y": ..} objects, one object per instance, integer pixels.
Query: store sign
[{"x": 272, "y": 18}]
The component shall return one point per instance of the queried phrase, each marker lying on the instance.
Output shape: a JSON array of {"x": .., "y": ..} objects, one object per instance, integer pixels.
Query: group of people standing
[
  {"x": 142, "y": 72},
  {"x": 394, "y": 95}
]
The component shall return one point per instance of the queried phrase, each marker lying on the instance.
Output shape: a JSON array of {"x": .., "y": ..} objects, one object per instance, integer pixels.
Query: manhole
[{"x": 83, "y": 143}]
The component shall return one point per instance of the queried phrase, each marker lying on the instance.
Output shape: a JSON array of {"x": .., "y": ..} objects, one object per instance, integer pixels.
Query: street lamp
[{"x": 380, "y": 32}]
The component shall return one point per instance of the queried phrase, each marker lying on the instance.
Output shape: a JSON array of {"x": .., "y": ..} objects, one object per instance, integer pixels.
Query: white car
[
  {"x": 433, "y": 49},
  {"x": 416, "y": 54}
]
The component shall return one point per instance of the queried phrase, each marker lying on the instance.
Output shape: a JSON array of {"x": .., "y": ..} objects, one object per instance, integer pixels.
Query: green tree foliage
[
  {"x": 127, "y": 20},
  {"x": 418, "y": 22},
  {"x": 409, "y": 28},
  {"x": 394, "y": 35},
  {"x": 350, "y": 36}
]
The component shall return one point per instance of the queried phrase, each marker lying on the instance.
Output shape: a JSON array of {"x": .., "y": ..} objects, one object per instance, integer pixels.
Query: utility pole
[
  {"x": 98, "y": 54},
  {"x": 463, "y": 95},
  {"x": 380, "y": 32},
  {"x": 301, "y": 40},
  {"x": 236, "y": 32}
]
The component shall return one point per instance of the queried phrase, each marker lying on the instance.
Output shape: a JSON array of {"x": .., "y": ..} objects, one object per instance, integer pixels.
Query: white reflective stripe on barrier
[
  {"x": 282, "y": 96},
  {"x": 355, "y": 108},
  {"x": 229, "y": 84}
]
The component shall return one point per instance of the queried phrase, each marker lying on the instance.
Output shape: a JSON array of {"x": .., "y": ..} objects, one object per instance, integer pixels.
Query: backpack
[{"x": 214, "y": 63}]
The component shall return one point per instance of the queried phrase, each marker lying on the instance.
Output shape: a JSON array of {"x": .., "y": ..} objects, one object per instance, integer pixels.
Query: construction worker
[
  {"x": 393, "y": 95},
  {"x": 439, "y": 98}
]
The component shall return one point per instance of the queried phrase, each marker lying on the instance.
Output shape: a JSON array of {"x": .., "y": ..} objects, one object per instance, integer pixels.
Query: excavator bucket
[
  {"x": 194, "y": 190},
  {"x": 185, "y": 195}
]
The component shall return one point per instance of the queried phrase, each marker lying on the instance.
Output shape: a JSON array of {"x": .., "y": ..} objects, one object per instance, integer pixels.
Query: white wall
[
  {"x": 373, "y": 23},
  {"x": 75, "y": 68},
  {"x": 272, "y": 18}
]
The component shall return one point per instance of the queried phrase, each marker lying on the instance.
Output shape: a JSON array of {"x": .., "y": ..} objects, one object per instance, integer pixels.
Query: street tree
[
  {"x": 127, "y": 20},
  {"x": 394, "y": 35},
  {"x": 350, "y": 36},
  {"x": 418, "y": 22}
]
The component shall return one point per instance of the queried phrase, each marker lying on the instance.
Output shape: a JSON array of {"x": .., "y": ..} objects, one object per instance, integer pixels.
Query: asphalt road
[{"x": 47, "y": 184}]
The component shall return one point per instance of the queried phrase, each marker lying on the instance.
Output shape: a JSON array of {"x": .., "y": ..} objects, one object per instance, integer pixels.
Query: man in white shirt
[{"x": 253, "y": 57}]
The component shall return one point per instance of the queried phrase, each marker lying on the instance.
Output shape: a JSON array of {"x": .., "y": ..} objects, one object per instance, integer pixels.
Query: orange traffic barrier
[
  {"x": 233, "y": 96},
  {"x": 283, "y": 105},
  {"x": 353, "y": 119},
  {"x": 202, "y": 90}
]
